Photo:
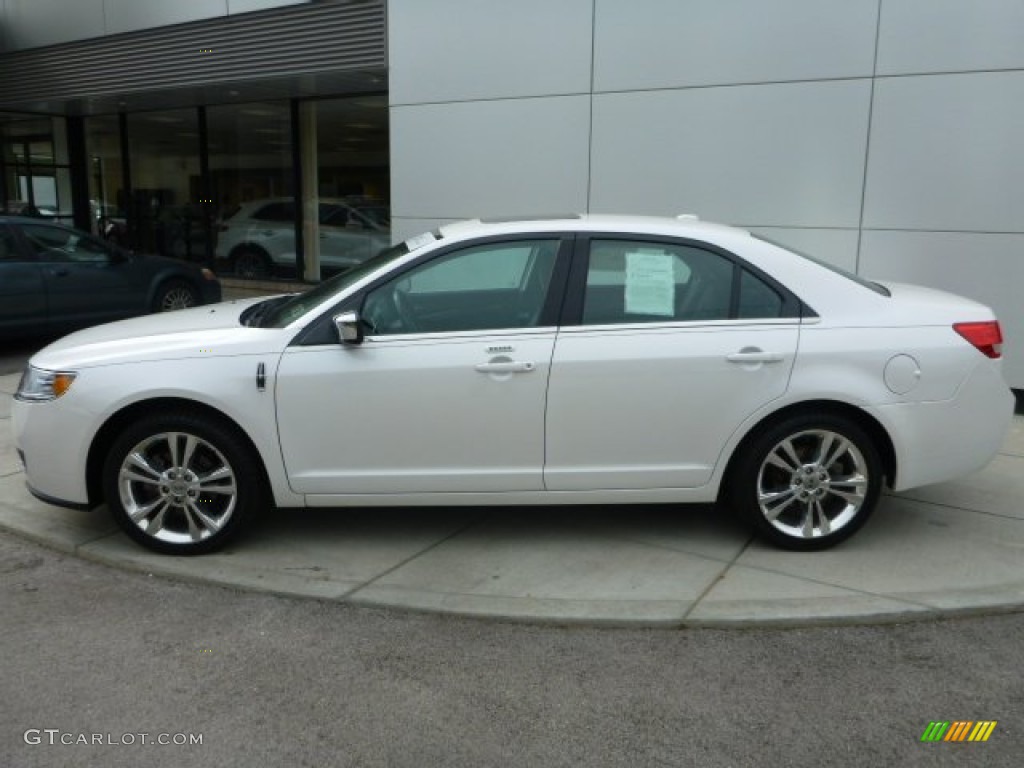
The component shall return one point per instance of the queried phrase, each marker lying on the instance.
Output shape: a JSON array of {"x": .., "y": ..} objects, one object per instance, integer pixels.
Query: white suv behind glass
[{"x": 258, "y": 239}]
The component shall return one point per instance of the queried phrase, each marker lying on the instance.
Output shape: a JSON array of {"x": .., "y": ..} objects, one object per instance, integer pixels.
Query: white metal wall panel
[
  {"x": 986, "y": 267},
  {"x": 457, "y": 50},
  {"x": 919, "y": 36},
  {"x": 667, "y": 43},
  {"x": 519, "y": 156},
  {"x": 788, "y": 155},
  {"x": 947, "y": 153}
]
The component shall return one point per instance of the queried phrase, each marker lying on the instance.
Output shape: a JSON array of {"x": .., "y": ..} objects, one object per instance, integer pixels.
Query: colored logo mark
[{"x": 959, "y": 730}]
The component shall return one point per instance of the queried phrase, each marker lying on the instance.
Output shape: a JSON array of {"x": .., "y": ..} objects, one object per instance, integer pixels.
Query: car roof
[{"x": 684, "y": 225}]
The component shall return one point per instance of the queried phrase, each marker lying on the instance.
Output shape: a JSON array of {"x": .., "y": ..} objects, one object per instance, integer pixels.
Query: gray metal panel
[
  {"x": 31, "y": 23},
  {"x": 346, "y": 35},
  {"x": 132, "y": 15}
]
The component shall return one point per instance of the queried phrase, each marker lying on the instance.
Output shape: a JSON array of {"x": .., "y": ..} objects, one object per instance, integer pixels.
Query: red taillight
[{"x": 987, "y": 336}]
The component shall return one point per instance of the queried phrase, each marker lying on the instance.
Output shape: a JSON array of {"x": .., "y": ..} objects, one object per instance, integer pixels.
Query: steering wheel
[{"x": 400, "y": 302}]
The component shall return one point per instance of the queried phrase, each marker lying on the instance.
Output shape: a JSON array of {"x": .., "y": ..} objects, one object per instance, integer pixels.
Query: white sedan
[{"x": 588, "y": 359}]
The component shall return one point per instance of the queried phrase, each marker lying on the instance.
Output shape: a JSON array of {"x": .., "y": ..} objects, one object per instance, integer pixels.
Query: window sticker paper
[{"x": 650, "y": 283}]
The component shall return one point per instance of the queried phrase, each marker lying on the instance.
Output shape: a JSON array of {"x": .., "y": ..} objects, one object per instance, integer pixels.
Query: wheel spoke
[
  {"x": 842, "y": 447},
  {"x": 200, "y": 524},
  {"x": 143, "y": 511},
  {"x": 823, "y": 449},
  {"x": 172, "y": 443},
  {"x": 137, "y": 478},
  {"x": 190, "y": 448},
  {"x": 808, "y": 521},
  {"x": 777, "y": 460},
  {"x": 780, "y": 499},
  {"x": 136, "y": 459},
  {"x": 156, "y": 524},
  {"x": 823, "y": 521},
  {"x": 220, "y": 480},
  {"x": 851, "y": 489}
]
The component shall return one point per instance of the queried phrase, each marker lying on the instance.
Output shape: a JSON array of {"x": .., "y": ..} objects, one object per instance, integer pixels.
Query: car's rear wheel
[
  {"x": 250, "y": 263},
  {"x": 808, "y": 482},
  {"x": 181, "y": 483},
  {"x": 175, "y": 294}
]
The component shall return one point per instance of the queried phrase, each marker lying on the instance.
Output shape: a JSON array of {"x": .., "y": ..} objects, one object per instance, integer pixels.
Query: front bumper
[{"x": 52, "y": 438}]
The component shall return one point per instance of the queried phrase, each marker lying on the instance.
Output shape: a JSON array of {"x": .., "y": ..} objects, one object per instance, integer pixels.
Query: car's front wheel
[
  {"x": 175, "y": 294},
  {"x": 181, "y": 483},
  {"x": 809, "y": 482}
]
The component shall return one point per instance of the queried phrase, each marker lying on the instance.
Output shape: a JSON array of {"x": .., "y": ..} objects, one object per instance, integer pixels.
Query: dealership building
[{"x": 881, "y": 135}]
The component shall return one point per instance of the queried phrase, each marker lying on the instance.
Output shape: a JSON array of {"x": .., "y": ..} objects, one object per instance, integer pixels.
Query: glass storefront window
[
  {"x": 106, "y": 178},
  {"x": 34, "y": 174},
  {"x": 165, "y": 209},
  {"x": 251, "y": 186},
  {"x": 352, "y": 180}
]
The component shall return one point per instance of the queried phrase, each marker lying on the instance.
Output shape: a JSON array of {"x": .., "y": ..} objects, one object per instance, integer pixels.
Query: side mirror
[{"x": 349, "y": 327}]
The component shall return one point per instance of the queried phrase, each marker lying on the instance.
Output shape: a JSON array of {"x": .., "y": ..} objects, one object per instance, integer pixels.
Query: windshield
[{"x": 279, "y": 312}]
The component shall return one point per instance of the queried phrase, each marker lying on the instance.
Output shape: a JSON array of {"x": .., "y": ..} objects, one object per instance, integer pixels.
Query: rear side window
[{"x": 758, "y": 299}]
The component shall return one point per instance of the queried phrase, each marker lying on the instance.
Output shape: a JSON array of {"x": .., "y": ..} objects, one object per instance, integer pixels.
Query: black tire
[
  {"x": 250, "y": 263},
  {"x": 808, "y": 482},
  {"x": 175, "y": 294},
  {"x": 186, "y": 507}
]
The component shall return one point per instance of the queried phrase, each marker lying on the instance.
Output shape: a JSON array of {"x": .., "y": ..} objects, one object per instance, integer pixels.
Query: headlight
[{"x": 37, "y": 385}]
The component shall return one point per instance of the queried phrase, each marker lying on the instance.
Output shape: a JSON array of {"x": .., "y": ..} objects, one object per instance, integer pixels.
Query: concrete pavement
[{"x": 942, "y": 550}]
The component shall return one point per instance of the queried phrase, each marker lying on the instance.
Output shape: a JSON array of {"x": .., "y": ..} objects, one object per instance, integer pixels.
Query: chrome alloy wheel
[
  {"x": 177, "y": 488},
  {"x": 812, "y": 484},
  {"x": 178, "y": 297}
]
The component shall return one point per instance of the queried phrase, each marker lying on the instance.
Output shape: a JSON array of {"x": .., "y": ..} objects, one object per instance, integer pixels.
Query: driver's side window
[{"x": 484, "y": 287}]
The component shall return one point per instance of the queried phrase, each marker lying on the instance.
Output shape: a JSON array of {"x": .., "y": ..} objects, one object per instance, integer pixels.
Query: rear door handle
[
  {"x": 507, "y": 367},
  {"x": 61, "y": 272},
  {"x": 754, "y": 356}
]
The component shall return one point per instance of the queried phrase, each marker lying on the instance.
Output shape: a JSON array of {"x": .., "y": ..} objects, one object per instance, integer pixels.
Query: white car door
[
  {"x": 445, "y": 393},
  {"x": 671, "y": 355}
]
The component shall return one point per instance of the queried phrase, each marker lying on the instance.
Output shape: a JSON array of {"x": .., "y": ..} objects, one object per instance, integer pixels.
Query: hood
[{"x": 197, "y": 332}]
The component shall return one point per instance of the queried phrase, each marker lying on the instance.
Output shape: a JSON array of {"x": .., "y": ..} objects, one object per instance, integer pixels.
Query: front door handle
[
  {"x": 510, "y": 366},
  {"x": 754, "y": 356}
]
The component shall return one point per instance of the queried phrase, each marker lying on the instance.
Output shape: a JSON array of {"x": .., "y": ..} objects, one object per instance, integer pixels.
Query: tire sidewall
[
  {"x": 238, "y": 455},
  {"x": 743, "y": 483}
]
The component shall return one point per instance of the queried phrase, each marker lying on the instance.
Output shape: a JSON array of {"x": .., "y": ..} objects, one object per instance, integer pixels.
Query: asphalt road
[{"x": 269, "y": 681}]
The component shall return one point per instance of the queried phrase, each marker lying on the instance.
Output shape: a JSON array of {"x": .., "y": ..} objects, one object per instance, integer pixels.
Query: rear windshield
[{"x": 871, "y": 286}]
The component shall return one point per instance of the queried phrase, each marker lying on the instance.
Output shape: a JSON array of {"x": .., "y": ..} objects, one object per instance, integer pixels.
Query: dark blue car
[{"x": 55, "y": 279}]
